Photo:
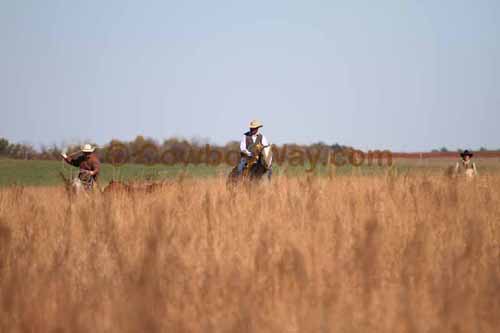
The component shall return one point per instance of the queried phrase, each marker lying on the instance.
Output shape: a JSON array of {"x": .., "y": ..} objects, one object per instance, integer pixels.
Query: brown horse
[{"x": 115, "y": 186}]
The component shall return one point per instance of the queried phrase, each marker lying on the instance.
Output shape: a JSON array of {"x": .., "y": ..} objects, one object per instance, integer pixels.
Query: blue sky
[{"x": 399, "y": 75}]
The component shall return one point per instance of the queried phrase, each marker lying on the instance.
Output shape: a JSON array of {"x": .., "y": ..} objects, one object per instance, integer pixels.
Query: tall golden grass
[{"x": 345, "y": 254}]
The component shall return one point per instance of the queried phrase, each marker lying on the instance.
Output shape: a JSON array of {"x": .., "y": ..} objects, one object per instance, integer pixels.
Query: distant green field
[
  {"x": 38, "y": 173},
  {"x": 22, "y": 172}
]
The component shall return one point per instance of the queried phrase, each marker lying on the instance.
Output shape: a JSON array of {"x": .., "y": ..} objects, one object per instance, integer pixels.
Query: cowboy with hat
[
  {"x": 89, "y": 165},
  {"x": 466, "y": 166},
  {"x": 251, "y": 138}
]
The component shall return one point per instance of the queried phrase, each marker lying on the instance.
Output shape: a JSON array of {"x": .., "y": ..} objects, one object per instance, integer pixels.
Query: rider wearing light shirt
[
  {"x": 466, "y": 166},
  {"x": 249, "y": 139}
]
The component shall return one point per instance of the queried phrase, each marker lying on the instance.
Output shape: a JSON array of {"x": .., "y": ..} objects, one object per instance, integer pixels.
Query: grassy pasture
[{"x": 46, "y": 173}]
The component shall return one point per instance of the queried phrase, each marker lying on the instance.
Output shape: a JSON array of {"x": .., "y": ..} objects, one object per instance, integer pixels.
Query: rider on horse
[
  {"x": 466, "y": 166},
  {"x": 89, "y": 166},
  {"x": 251, "y": 139}
]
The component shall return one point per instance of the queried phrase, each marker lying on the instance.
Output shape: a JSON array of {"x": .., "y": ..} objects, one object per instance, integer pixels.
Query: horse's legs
[
  {"x": 269, "y": 174},
  {"x": 77, "y": 185}
]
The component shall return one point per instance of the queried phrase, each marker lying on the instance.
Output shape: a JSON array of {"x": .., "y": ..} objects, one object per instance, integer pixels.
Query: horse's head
[
  {"x": 256, "y": 149},
  {"x": 260, "y": 153},
  {"x": 267, "y": 156}
]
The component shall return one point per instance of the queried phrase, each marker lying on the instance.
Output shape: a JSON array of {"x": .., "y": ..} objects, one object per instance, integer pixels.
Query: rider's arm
[
  {"x": 95, "y": 166},
  {"x": 243, "y": 146},
  {"x": 67, "y": 159},
  {"x": 73, "y": 161}
]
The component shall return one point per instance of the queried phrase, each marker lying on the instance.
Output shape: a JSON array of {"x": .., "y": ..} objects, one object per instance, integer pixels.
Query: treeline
[{"x": 144, "y": 150}]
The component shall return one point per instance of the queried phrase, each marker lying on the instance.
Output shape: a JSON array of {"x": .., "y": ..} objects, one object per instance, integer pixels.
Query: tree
[
  {"x": 336, "y": 147},
  {"x": 21, "y": 151},
  {"x": 443, "y": 150},
  {"x": 4, "y": 146}
]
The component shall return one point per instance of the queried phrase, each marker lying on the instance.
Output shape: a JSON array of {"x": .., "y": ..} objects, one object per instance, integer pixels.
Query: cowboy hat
[
  {"x": 255, "y": 124},
  {"x": 87, "y": 148},
  {"x": 466, "y": 153}
]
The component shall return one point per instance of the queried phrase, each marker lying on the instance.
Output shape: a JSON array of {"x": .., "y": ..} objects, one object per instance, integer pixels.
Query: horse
[
  {"x": 116, "y": 186},
  {"x": 258, "y": 165},
  {"x": 83, "y": 183}
]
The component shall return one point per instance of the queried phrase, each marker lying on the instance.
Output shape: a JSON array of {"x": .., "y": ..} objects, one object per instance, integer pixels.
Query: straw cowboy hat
[
  {"x": 466, "y": 153},
  {"x": 87, "y": 148},
  {"x": 255, "y": 124}
]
